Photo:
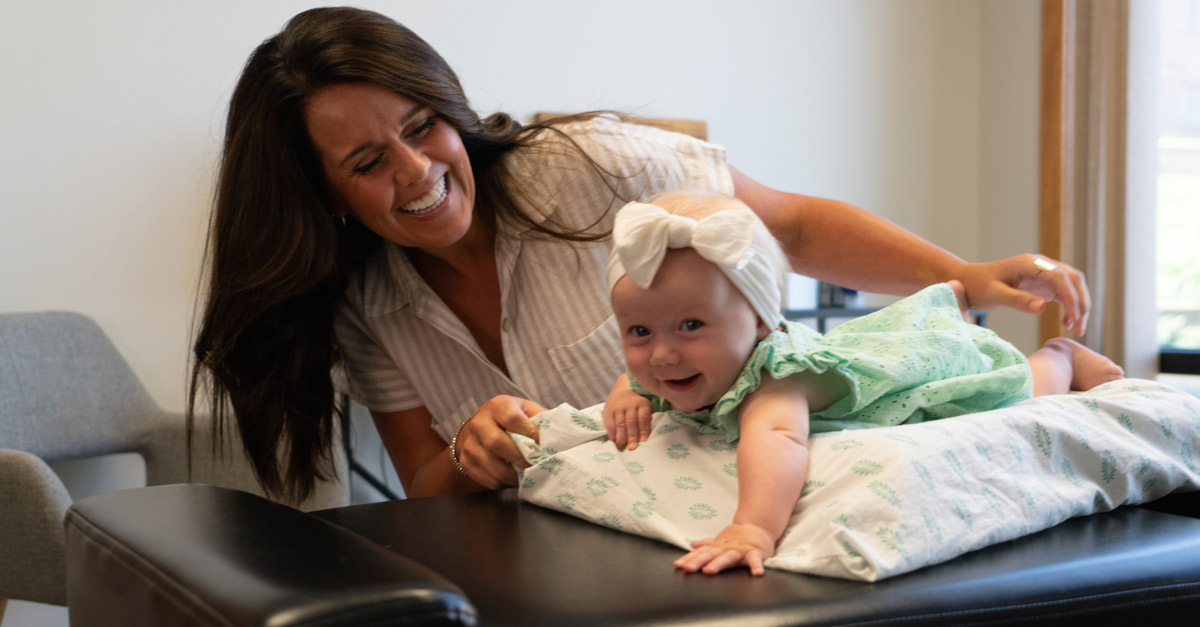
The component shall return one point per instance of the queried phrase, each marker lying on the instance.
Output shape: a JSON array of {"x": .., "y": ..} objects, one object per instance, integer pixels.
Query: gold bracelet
[{"x": 454, "y": 451}]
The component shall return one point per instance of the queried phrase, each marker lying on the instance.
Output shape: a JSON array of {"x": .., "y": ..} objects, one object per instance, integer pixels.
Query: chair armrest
[
  {"x": 33, "y": 502},
  {"x": 191, "y": 554}
]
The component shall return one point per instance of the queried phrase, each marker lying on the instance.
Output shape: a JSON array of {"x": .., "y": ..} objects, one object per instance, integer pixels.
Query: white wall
[
  {"x": 1010, "y": 43},
  {"x": 923, "y": 111},
  {"x": 113, "y": 111}
]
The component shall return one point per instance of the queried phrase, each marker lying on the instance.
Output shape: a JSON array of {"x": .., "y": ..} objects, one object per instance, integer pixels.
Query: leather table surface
[{"x": 523, "y": 565}]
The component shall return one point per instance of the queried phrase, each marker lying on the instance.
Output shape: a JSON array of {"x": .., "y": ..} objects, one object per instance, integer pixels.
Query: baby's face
[{"x": 687, "y": 336}]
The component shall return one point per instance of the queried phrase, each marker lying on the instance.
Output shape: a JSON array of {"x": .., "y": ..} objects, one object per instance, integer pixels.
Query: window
[{"x": 1178, "y": 283}]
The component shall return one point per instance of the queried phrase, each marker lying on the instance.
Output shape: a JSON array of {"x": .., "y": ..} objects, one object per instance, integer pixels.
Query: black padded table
[
  {"x": 523, "y": 565},
  {"x": 197, "y": 555}
]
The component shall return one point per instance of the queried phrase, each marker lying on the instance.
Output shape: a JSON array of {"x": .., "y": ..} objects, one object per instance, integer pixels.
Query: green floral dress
[{"x": 912, "y": 361}]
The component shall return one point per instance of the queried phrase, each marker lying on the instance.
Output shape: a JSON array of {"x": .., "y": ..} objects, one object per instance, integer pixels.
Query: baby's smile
[{"x": 682, "y": 385}]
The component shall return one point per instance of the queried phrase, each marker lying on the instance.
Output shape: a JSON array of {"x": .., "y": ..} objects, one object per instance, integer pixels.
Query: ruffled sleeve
[{"x": 786, "y": 351}]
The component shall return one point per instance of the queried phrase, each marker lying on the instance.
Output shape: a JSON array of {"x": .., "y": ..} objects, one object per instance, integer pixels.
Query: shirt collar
[{"x": 394, "y": 283}]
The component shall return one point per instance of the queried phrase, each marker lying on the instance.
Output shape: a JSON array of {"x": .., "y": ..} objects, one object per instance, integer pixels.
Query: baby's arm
[
  {"x": 772, "y": 460},
  {"x": 626, "y": 415}
]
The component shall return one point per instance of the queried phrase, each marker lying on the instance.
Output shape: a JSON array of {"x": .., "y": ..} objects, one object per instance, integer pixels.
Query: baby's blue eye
[{"x": 692, "y": 325}]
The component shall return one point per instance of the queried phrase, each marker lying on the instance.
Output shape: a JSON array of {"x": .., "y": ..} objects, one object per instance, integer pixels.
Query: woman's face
[{"x": 394, "y": 165}]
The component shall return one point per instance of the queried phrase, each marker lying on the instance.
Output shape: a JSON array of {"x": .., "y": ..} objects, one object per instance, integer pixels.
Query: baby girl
[{"x": 697, "y": 283}]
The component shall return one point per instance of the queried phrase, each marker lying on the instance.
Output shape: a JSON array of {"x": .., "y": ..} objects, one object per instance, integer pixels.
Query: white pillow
[{"x": 884, "y": 501}]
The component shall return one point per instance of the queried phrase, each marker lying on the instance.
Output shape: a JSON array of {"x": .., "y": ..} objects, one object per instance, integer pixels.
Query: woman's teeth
[{"x": 426, "y": 203}]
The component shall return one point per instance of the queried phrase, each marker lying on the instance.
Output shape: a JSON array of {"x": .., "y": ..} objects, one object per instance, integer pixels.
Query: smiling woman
[{"x": 347, "y": 113}]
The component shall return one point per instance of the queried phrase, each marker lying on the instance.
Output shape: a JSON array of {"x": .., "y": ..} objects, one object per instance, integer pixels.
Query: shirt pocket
[{"x": 589, "y": 366}]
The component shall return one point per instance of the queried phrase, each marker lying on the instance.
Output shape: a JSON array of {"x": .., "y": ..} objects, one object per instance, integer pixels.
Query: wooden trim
[
  {"x": 695, "y": 128},
  {"x": 1056, "y": 115}
]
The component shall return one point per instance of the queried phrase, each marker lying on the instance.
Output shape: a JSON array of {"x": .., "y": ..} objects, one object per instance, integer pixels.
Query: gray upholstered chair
[{"x": 66, "y": 393}]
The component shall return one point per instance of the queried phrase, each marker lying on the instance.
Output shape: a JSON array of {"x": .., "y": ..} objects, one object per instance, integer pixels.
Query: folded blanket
[{"x": 885, "y": 501}]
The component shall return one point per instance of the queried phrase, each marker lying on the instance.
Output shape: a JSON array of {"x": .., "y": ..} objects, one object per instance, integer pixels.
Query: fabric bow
[{"x": 643, "y": 233}]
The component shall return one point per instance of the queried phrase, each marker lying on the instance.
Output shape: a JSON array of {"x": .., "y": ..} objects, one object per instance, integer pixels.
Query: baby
[{"x": 697, "y": 285}]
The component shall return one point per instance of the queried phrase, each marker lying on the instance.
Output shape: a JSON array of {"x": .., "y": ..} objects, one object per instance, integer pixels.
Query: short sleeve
[
  {"x": 631, "y": 162},
  {"x": 649, "y": 160},
  {"x": 371, "y": 376}
]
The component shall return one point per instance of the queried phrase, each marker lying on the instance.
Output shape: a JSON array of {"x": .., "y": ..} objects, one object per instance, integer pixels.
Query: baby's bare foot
[
  {"x": 960, "y": 292},
  {"x": 1089, "y": 368}
]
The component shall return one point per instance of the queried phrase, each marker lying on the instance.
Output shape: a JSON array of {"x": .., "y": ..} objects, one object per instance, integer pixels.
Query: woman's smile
[{"x": 436, "y": 198}]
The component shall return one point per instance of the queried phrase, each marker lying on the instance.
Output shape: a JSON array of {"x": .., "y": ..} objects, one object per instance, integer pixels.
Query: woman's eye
[
  {"x": 423, "y": 128},
  {"x": 692, "y": 325},
  {"x": 370, "y": 166}
]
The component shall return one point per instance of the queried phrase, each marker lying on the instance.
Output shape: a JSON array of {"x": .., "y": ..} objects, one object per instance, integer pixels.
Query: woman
[{"x": 366, "y": 216}]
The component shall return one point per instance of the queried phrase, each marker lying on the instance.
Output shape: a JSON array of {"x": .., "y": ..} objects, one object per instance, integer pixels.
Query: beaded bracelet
[{"x": 454, "y": 451}]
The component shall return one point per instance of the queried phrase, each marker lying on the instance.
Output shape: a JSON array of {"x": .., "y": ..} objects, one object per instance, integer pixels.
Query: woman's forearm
[
  {"x": 438, "y": 476},
  {"x": 843, "y": 244},
  {"x": 418, "y": 454},
  {"x": 837, "y": 242},
  {"x": 848, "y": 246}
]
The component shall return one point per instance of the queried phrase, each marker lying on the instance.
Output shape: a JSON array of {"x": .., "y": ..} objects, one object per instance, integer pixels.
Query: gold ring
[{"x": 1044, "y": 266}]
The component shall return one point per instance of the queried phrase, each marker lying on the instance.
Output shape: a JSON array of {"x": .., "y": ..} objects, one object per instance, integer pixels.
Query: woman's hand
[
  {"x": 626, "y": 415},
  {"x": 485, "y": 450},
  {"x": 737, "y": 545},
  {"x": 1026, "y": 283}
]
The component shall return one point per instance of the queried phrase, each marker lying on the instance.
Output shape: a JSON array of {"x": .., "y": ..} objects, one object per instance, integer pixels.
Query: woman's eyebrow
[{"x": 370, "y": 142}]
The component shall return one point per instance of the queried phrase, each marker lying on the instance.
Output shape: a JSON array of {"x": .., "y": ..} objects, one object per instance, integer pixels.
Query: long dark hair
[{"x": 278, "y": 262}]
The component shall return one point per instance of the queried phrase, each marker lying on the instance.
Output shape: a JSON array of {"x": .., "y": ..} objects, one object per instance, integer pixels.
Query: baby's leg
[{"x": 1064, "y": 365}]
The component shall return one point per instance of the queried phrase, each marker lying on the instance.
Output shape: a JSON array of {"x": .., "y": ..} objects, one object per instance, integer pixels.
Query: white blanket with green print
[{"x": 884, "y": 501}]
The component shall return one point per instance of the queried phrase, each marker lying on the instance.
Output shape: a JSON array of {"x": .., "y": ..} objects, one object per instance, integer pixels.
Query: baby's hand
[
  {"x": 736, "y": 545},
  {"x": 626, "y": 416}
]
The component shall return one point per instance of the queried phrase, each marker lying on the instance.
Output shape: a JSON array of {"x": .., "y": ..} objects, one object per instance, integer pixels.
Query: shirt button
[{"x": 506, "y": 324}]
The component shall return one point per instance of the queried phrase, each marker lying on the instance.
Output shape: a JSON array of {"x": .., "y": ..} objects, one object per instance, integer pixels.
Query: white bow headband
[{"x": 735, "y": 240}]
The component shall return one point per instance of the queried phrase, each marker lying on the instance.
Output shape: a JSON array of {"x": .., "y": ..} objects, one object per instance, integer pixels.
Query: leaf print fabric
[{"x": 885, "y": 501}]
